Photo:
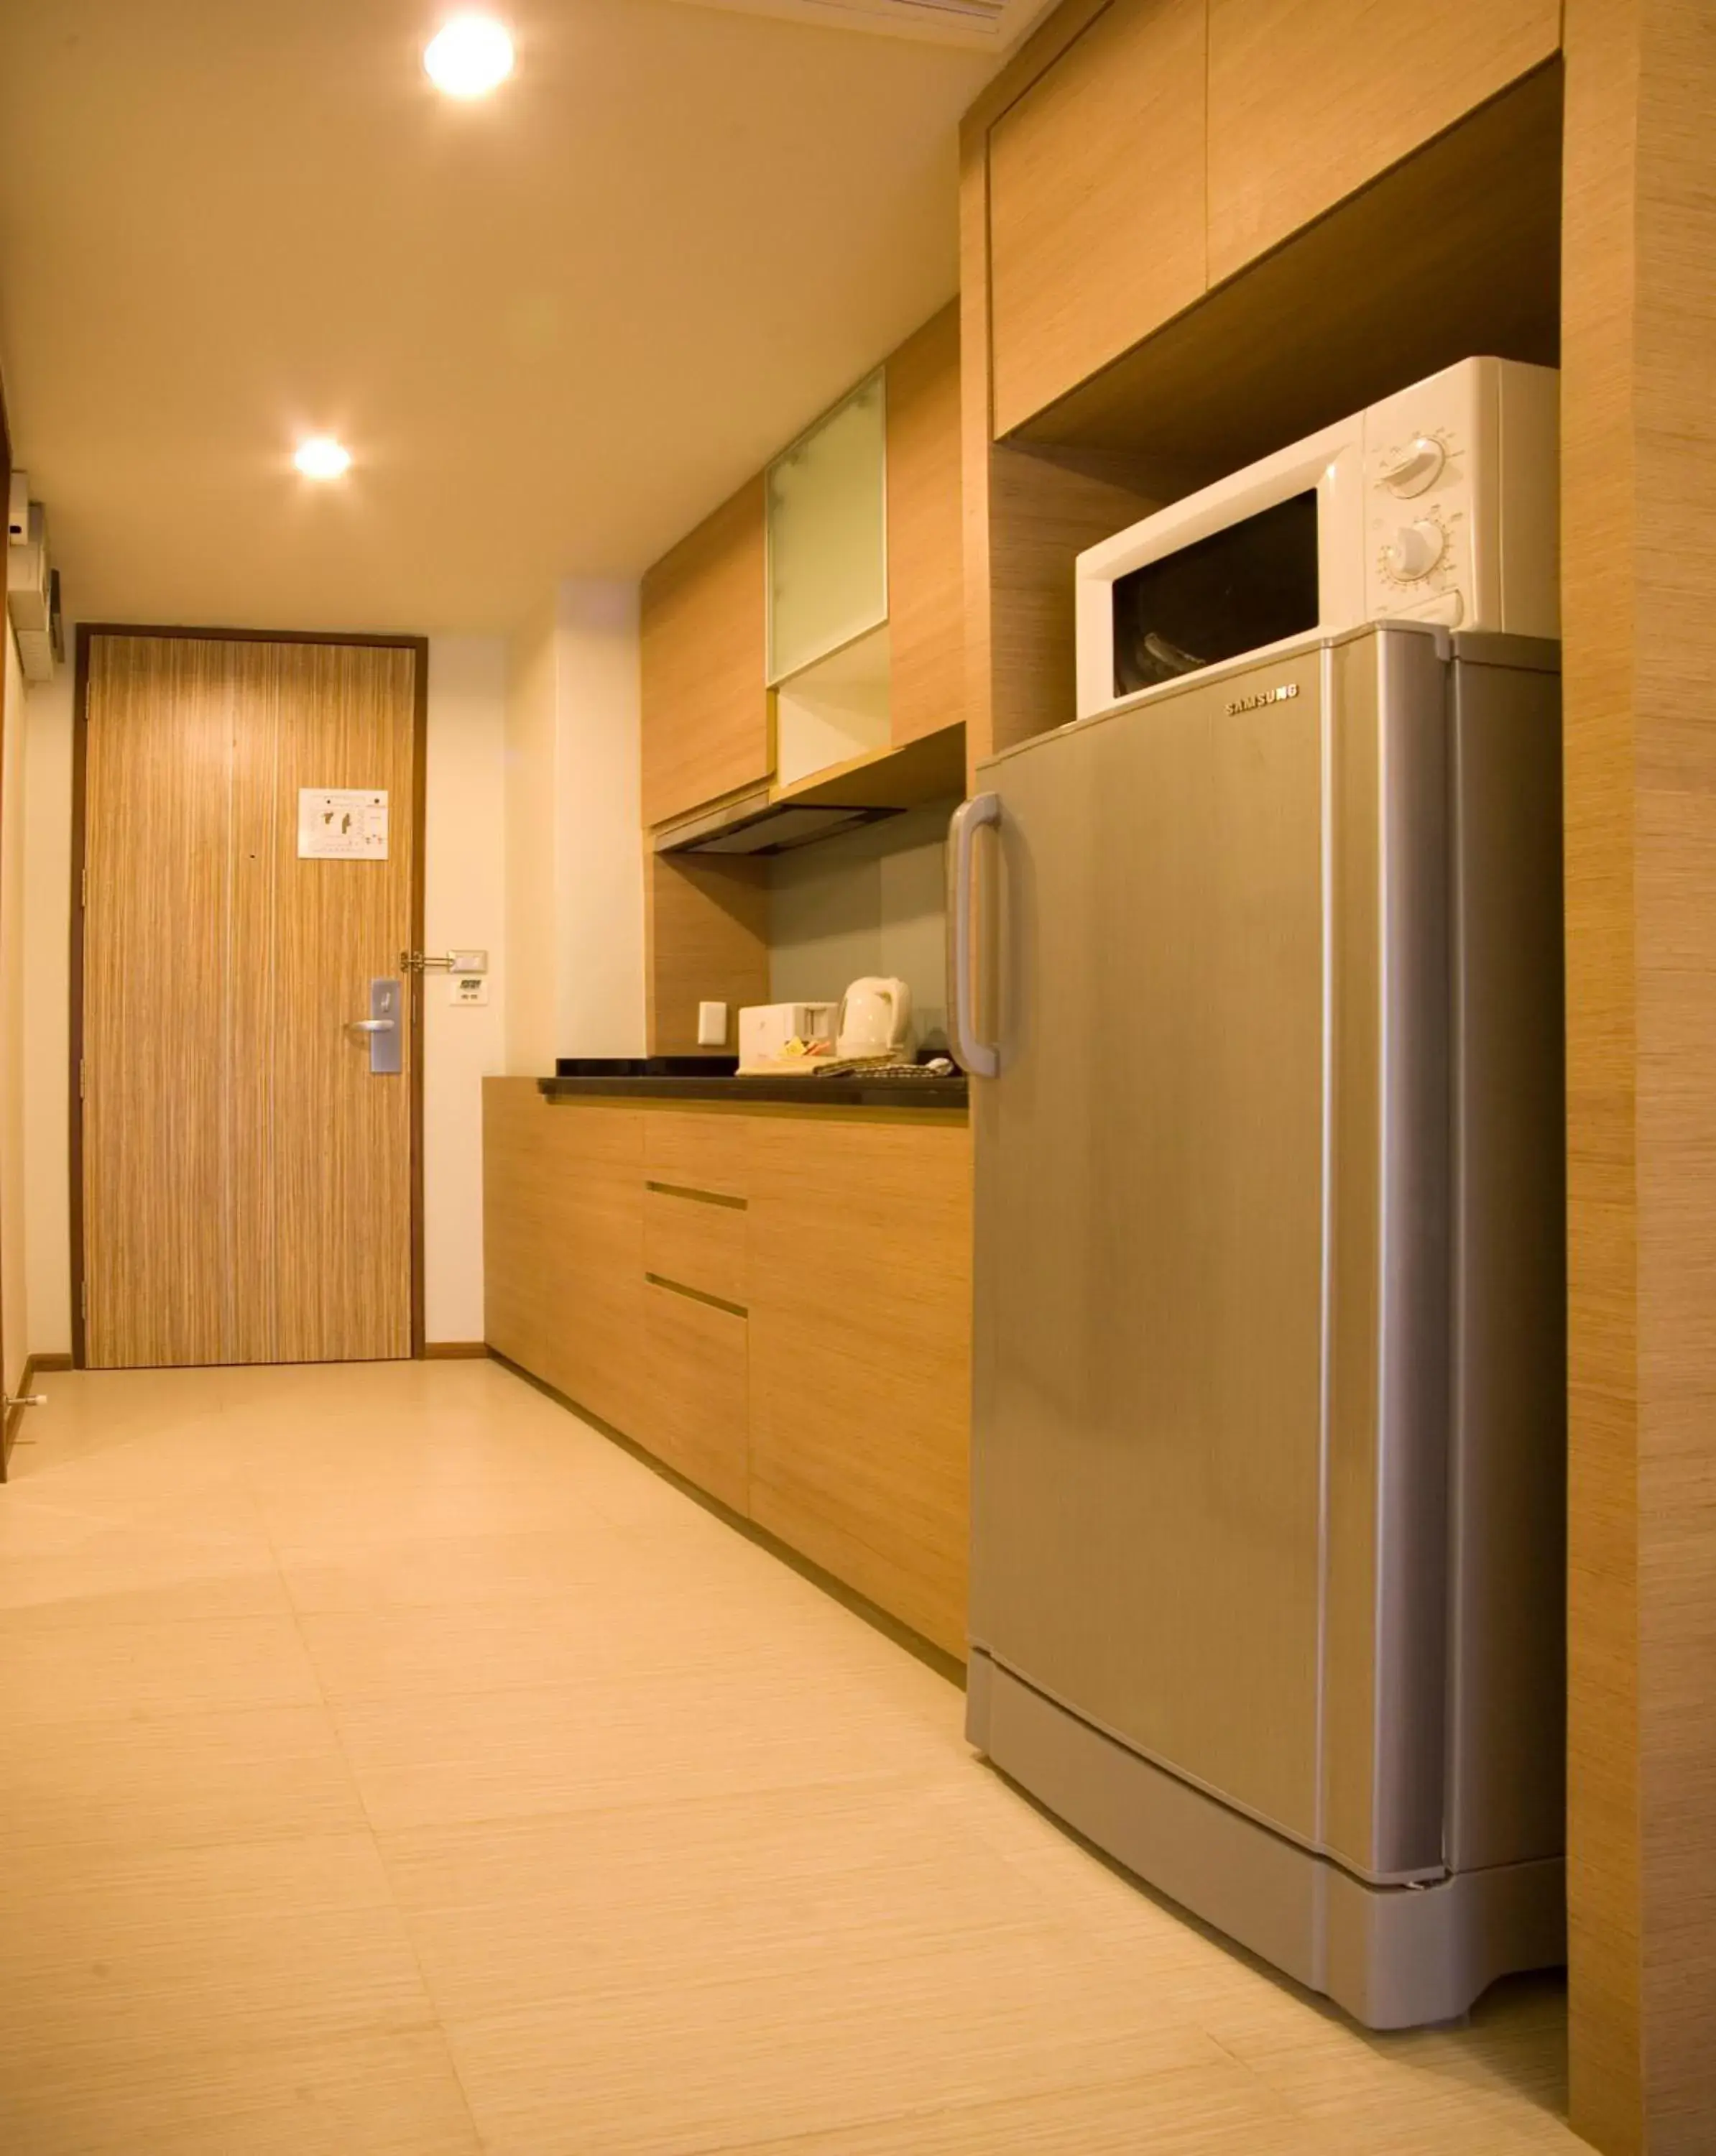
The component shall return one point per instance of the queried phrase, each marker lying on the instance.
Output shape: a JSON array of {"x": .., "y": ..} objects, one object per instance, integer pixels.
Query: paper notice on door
[{"x": 341, "y": 823}]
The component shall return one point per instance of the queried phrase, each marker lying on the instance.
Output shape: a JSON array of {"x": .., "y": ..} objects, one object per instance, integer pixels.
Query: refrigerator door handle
[{"x": 972, "y": 1055}]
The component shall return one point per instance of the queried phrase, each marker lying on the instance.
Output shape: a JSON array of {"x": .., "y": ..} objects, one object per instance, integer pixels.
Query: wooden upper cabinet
[
  {"x": 926, "y": 588},
  {"x": 705, "y": 708},
  {"x": 1096, "y": 201},
  {"x": 1311, "y": 99}
]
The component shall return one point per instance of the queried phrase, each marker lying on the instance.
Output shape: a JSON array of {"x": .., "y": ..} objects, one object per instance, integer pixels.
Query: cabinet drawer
[
  {"x": 697, "y": 1409},
  {"x": 697, "y": 1153},
  {"x": 696, "y": 1242}
]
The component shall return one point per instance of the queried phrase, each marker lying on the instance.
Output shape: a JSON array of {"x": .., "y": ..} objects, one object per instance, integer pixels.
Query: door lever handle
[{"x": 383, "y": 1028}]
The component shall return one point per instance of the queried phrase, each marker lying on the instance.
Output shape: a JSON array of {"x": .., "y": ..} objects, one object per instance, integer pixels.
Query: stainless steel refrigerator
[{"x": 1259, "y": 978}]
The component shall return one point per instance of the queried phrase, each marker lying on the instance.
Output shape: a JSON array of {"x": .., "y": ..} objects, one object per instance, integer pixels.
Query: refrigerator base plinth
[{"x": 1392, "y": 1957}]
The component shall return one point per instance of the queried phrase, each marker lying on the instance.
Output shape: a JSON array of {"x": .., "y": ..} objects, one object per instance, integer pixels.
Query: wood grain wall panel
[
  {"x": 1639, "y": 554},
  {"x": 1309, "y": 100},
  {"x": 156, "y": 1198},
  {"x": 926, "y": 616},
  {"x": 860, "y": 1286},
  {"x": 1096, "y": 201},
  {"x": 1042, "y": 515},
  {"x": 705, "y": 927},
  {"x": 706, "y": 728}
]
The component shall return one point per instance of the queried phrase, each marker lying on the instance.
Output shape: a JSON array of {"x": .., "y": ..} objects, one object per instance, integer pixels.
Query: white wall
[
  {"x": 47, "y": 958},
  {"x": 14, "y": 1306},
  {"x": 464, "y": 905},
  {"x": 574, "y": 861}
]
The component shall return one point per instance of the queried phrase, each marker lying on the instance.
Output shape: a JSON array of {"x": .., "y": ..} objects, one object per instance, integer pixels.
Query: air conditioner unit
[
  {"x": 991, "y": 24},
  {"x": 33, "y": 596}
]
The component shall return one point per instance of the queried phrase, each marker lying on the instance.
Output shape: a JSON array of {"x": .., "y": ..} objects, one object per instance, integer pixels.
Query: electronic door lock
[{"x": 381, "y": 1029}]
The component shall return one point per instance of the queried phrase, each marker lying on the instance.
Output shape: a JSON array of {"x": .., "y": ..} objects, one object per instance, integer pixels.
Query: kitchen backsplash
[{"x": 873, "y": 901}]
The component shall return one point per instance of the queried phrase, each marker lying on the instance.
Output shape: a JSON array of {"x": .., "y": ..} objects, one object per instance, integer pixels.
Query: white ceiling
[{"x": 553, "y": 327}]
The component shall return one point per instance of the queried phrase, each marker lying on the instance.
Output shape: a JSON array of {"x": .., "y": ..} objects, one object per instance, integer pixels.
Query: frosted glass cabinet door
[{"x": 828, "y": 565}]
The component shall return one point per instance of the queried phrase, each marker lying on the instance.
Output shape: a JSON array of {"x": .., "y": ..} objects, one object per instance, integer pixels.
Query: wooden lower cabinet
[
  {"x": 695, "y": 1411},
  {"x": 563, "y": 1243},
  {"x": 860, "y": 1301},
  {"x": 778, "y": 1307}
]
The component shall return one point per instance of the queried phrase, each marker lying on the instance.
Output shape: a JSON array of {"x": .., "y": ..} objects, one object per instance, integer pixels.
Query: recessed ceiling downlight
[
  {"x": 469, "y": 56},
  {"x": 321, "y": 457}
]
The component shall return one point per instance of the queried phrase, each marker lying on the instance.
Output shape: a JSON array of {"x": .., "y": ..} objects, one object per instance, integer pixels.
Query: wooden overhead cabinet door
[
  {"x": 247, "y": 1187},
  {"x": 1311, "y": 99},
  {"x": 925, "y": 583},
  {"x": 1097, "y": 202},
  {"x": 705, "y": 706}
]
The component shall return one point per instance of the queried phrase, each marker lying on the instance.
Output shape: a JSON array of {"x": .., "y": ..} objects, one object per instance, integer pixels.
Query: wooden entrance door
[{"x": 248, "y": 1186}]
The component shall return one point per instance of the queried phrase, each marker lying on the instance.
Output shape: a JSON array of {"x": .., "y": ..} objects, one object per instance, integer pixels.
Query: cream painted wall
[
  {"x": 47, "y": 935},
  {"x": 574, "y": 866},
  {"x": 464, "y": 904},
  {"x": 532, "y": 776},
  {"x": 14, "y": 1256}
]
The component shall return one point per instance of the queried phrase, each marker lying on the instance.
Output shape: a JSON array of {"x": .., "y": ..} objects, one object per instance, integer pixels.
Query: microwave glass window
[{"x": 1247, "y": 585}]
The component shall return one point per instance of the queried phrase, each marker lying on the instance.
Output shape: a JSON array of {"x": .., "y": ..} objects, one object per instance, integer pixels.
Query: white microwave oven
[{"x": 1439, "y": 504}]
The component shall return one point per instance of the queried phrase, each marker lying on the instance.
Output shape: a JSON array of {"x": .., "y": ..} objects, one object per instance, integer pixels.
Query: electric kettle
[{"x": 875, "y": 1018}]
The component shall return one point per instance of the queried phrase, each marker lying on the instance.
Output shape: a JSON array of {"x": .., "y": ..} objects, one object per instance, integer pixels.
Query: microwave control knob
[
  {"x": 1415, "y": 550},
  {"x": 1417, "y": 466}
]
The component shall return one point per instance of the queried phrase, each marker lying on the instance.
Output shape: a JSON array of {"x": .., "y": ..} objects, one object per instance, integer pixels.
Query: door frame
[{"x": 419, "y": 646}]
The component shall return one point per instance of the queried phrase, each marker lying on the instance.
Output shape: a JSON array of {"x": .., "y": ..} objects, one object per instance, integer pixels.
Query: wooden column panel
[
  {"x": 1639, "y": 563},
  {"x": 705, "y": 729}
]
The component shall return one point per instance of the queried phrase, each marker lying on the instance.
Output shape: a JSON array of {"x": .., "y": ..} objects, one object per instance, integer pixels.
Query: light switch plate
[
  {"x": 711, "y": 1025},
  {"x": 468, "y": 962},
  {"x": 469, "y": 988}
]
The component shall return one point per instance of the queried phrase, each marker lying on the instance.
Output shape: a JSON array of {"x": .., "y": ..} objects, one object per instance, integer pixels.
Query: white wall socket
[
  {"x": 469, "y": 988},
  {"x": 711, "y": 1025}
]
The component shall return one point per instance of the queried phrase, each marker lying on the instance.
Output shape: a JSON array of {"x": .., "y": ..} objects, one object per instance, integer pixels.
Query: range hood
[
  {"x": 767, "y": 827},
  {"x": 774, "y": 819}
]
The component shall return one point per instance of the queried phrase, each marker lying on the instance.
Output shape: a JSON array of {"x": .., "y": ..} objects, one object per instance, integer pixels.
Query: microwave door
[{"x": 1249, "y": 584}]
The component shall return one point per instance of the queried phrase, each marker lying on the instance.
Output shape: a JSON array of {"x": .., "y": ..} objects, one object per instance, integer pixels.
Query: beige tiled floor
[{"x": 389, "y": 1765}]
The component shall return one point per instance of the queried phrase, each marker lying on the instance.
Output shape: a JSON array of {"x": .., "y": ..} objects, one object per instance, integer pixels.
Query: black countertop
[{"x": 712, "y": 1078}]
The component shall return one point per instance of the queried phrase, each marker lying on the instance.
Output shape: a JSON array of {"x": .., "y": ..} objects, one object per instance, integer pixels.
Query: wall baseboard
[
  {"x": 455, "y": 1351},
  {"x": 34, "y": 1366}
]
